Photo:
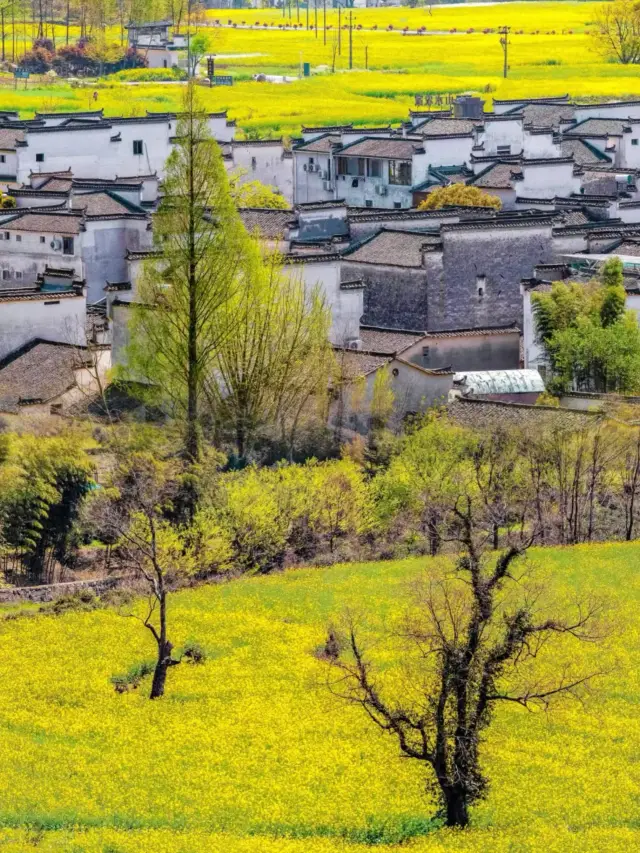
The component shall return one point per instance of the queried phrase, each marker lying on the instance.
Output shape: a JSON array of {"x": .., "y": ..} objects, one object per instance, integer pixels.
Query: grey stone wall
[
  {"x": 50, "y": 592},
  {"x": 394, "y": 297},
  {"x": 500, "y": 352},
  {"x": 105, "y": 256},
  {"x": 502, "y": 256}
]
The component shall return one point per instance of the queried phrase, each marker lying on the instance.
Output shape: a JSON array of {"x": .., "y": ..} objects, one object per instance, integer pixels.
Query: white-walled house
[
  {"x": 345, "y": 298},
  {"x": 313, "y": 169},
  {"x": 93, "y": 146},
  {"x": 264, "y": 160},
  {"x": 156, "y": 44},
  {"x": 49, "y": 311},
  {"x": 92, "y": 236}
]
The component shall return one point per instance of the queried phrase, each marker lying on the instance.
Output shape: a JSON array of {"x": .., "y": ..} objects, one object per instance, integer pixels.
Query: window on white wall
[
  {"x": 6, "y": 275},
  {"x": 39, "y": 158},
  {"x": 67, "y": 245},
  {"x": 3, "y": 158},
  {"x": 634, "y": 141},
  {"x": 137, "y": 146},
  {"x": 18, "y": 274},
  {"x": 18, "y": 238},
  {"x": 43, "y": 239}
]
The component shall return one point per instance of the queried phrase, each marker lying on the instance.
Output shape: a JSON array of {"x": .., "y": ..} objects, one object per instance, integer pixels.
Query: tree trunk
[
  {"x": 434, "y": 534},
  {"x": 457, "y": 806},
  {"x": 160, "y": 672},
  {"x": 193, "y": 437}
]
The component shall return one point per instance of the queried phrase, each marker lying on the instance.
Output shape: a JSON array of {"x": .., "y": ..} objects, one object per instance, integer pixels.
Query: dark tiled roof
[
  {"x": 486, "y": 414},
  {"x": 387, "y": 341},
  {"x": 370, "y": 215},
  {"x": 545, "y": 115},
  {"x": 576, "y": 217},
  {"x": 48, "y": 223},
  {"x": 38, "y": 373},
  {"x": 598, "y": 127},
  {"x": 103, "y": 204},
  {"x": 66, "y": 173},
  {"x": 631, "y": 248},
  {"x": 269, "y": 223},
  {"x": 320, "y": 145},
  {"x": 471, "y": 333},
  {"x": 354, "y": 363},
  {"x": 8, "y": 138},
  {"x": 56, "y": 185},
  {"x": 402, "y": 149},
  {"x": 499, "y": 176},
  {"x": 68, "y": 114},
  {"x": 554, "y": 99},
  {"x": 392, "y": 248},
  {"x": 583, "y": 153},
  {"x": 35, "y": 294},
  {"x": 448, "y": 126}
]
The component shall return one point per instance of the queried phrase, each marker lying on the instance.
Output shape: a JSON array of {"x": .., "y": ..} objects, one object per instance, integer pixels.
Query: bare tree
[
  {"x": 133, "y": 513},
  {"x": 471, "y": 641},
  {"x": 617, "y": 31},
  {"x": 631, "y": 485}
]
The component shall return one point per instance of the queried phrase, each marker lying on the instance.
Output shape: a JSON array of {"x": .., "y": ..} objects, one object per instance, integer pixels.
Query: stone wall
[
  {"x": 49, "y": 592},
  {"x": 394, "y": 297},
  {"x": 476, "y": 282}
]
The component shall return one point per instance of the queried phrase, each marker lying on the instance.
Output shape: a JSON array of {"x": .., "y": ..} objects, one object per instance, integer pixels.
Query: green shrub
[
  {"x": 131, "y": 679},
  {"x": 150, "y": 75}
]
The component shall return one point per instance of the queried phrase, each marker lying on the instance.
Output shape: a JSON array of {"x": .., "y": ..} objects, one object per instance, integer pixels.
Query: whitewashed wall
[{"x": 52, "y": 318}]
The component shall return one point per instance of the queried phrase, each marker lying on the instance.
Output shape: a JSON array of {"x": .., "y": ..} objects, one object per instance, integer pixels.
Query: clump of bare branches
[{"x": 481, "y": 633}]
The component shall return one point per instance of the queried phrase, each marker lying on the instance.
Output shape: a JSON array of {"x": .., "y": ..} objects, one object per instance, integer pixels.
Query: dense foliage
[
  {"x": 88, "y": 57},
  {"x": 43, "y": 484},
  {"x": 591, "y": 341},
  {"x": 457, "y": 195}
]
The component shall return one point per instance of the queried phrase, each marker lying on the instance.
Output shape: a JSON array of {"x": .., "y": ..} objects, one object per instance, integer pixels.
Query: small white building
[
  {"x": 52, "y": 310},
  {"x": 154, "y": 42}
]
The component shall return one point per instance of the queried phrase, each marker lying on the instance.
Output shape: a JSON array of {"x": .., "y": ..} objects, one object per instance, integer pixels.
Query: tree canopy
[
  {"x": 459, "y": 195},
  {"x": 617, "y": 32},
  {"x": 591, "y": 341}
]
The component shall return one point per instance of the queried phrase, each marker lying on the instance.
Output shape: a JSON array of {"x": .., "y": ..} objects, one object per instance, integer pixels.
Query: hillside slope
[{"x": 250, "y": 753}]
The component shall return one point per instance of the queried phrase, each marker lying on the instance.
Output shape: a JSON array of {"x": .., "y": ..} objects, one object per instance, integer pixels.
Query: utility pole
[
  {"x": 324, "y": 19},
  {"x": 307, "y": 14},
  {"x": 350, "y": 39},
  {"x": 504, "y": 41},
  {"x": 315, "y": 8},
  {"x": 298, "y": 11},
  {"x": 340, "y": 30}
]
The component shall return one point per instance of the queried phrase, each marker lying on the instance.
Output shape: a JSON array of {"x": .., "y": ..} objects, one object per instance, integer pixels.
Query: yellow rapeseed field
[
  {"x": 552, "y": 52},
  {"x": 248, "y": 753}
]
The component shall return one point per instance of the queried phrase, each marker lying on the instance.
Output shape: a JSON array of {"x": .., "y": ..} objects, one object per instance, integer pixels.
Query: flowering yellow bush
[{"x": 250, "y": 754}]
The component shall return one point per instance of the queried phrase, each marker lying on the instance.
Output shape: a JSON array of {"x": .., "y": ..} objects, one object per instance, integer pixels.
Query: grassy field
[
  {"x": 250, "y": 754},
  {"x": 552, "y": 52}
]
